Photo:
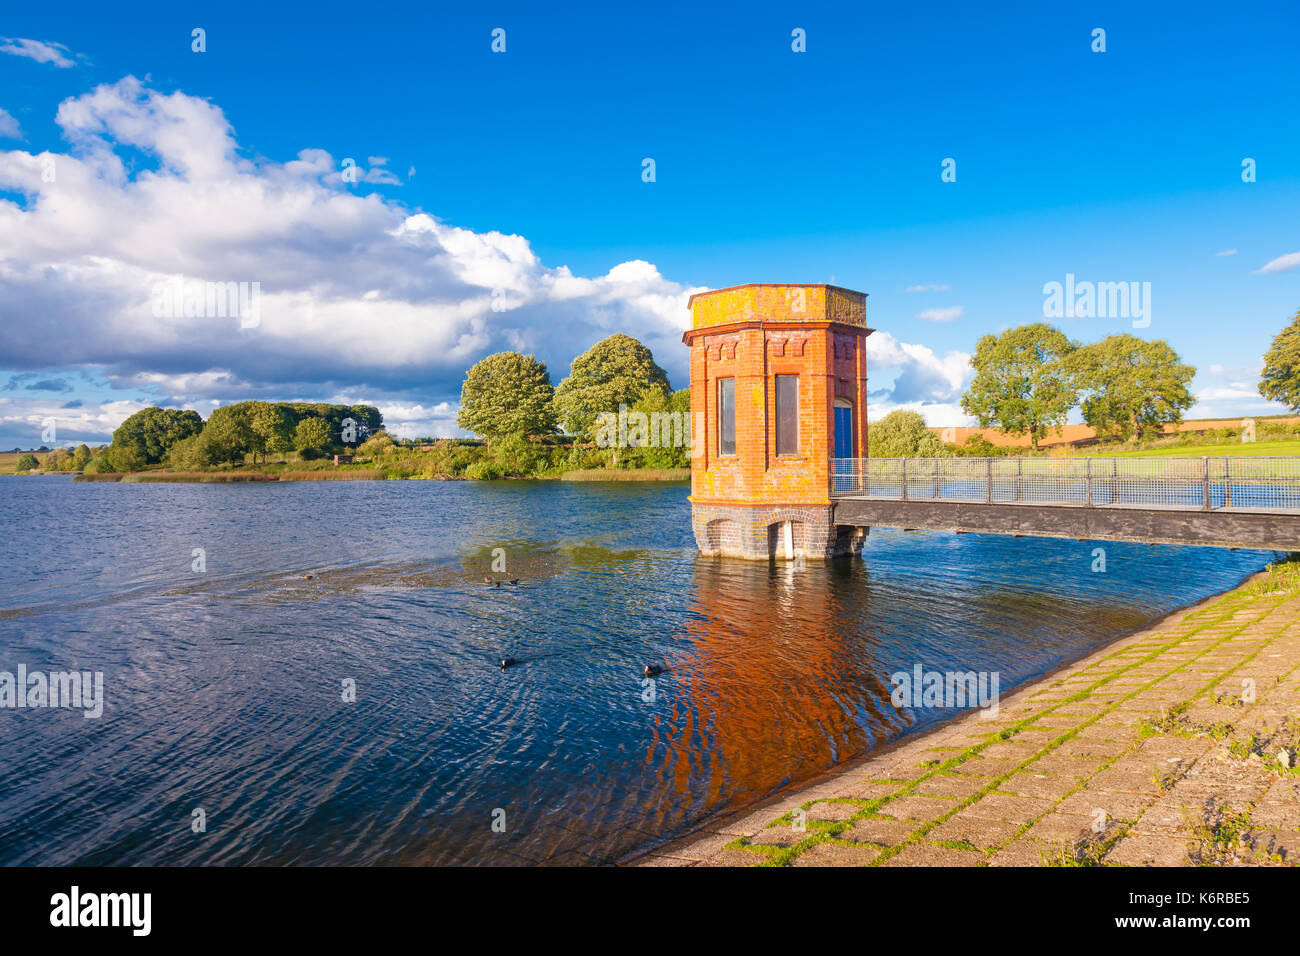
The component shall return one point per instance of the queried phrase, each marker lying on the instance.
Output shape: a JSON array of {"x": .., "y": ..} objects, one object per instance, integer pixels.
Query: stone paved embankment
[{"x": 1175, "y": 746}]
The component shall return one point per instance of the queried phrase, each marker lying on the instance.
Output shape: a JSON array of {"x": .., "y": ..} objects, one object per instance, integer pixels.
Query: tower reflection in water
[{"x": 780, "y": 679}]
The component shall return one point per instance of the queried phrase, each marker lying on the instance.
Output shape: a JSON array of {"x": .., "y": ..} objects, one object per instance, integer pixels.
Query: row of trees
[
  {"x": 1029, "y": 378},
  {"x": 233, "y": 433},
  {"x": 508, "y": 399},
  {"x": 60, "y": 459}
]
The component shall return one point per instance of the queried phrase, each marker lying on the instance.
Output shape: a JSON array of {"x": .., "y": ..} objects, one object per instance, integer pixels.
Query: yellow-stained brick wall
[
  {"x": 770, "y": 302},
  {"x": 752, "y": 334}
]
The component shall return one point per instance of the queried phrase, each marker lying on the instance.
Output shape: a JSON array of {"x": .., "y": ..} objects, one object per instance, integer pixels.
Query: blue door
[{"x": 843, "y": 432}]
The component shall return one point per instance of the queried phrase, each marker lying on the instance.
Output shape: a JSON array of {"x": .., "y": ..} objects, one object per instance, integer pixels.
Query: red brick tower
[{"x": 779, "y": 381}]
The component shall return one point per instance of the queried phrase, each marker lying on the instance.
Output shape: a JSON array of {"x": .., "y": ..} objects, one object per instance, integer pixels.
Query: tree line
[
  {"x": 508, "y": 400},
  {"x": 529, "y": 425},
  {"x": 233, "y": 434},
  {"x": 1028, "y": 379}
]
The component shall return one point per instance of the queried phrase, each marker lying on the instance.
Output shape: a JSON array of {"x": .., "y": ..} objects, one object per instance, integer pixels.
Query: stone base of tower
[{"x": 765, "y": 532}]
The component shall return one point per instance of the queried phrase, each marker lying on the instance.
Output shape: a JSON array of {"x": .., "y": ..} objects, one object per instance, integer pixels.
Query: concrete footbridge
[{"x": 1233, "y": 502}]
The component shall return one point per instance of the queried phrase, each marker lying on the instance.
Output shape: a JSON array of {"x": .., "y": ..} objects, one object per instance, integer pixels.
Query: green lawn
[{"x": 1221, "y": 451}]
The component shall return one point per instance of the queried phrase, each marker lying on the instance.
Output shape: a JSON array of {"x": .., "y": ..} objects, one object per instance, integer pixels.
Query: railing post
[
  {"x": 904, "y": 479},
  {"x": 1205, "y": 483},
  {"x": 988, "y": 467},
  {"x": 1020, "y": 470},
  {"x": 1087, "y": 482},
  {"x": 1227, "y": 483}
]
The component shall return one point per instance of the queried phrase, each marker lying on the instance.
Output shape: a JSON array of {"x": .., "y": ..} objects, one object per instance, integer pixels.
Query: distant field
[{"x": 1222, "y": 451}]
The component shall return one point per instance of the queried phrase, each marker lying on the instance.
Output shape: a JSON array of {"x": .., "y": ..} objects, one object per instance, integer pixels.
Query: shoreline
[
  {"x": 1090, "y": 763},
  {"x": 235, "y": 477}
]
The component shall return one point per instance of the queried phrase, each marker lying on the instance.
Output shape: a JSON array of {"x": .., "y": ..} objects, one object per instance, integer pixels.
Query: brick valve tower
[{"x": 779, "y": 382}]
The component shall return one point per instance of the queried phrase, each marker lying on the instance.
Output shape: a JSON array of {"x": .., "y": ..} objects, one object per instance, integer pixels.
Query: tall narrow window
[
  {"x": 787, "y": 414},
  {"x": 726, "y": 416}
]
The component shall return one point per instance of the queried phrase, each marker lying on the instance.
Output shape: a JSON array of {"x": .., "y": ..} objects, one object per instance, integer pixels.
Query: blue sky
[{"x": 771, "y": 165}]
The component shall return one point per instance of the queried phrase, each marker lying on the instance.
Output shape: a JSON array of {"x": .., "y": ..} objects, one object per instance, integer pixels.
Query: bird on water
[
  {"x": 508, "y": 662},
  {"x": 652, "y": 670}
]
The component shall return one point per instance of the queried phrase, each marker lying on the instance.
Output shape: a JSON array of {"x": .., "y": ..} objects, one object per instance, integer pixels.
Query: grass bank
[{"x": 1222, "y": 450}]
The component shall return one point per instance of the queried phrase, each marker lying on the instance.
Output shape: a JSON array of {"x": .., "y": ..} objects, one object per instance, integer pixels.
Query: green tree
[
  {"x": 143, "y": 439},
  {"x": 123, "y": 459},
  {"x": 507, "y": 394},
  {"x": 57, "y": 460},
  {"x": 272, "y": 428},
  {"x": 230, "y": 434},
  {"x": 376, "y": 445},
  {"x": 367, "y": 418},
  {"x": 27, "y": 462},
  {"x": 312, "y": 435},
  {"x": 81, "y": 456},
  {"x": 615, "y": 371},
  {"x": 1281, "y": 379},
  {"x": 193, "y": 454},
  {"x": 1132, "y": 386},
  {"x": 516, "y": 455},
  {"x": 903, "y": 434},
  {"x": 668, "y": 420},
  {"x": 1023, "y": 381}
]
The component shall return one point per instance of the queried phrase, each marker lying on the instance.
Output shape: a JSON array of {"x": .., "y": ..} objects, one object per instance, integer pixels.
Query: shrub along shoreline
[
  {"x": 160, "y": 477},
  {"x": 374, "y": 474}
]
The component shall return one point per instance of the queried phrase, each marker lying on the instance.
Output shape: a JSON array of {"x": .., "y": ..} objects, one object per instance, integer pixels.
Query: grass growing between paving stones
[
  {"x": 1222, "y": 840},
  {"x": 1176, "y": 724},
  {"x": 1174, "y": 721},
  {"x": 1276, "y": 752},
  {"x": 1091, "y": 852}
]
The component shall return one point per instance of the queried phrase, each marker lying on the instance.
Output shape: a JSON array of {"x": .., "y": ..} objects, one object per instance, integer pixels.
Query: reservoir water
[{"x": 225, "y": 666}]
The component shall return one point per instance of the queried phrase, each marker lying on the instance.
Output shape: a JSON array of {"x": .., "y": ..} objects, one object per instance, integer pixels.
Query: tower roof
[{"x": 778, "y": 302}]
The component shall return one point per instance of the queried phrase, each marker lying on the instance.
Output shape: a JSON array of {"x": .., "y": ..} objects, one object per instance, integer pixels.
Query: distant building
[
  {"x": 1084, "y": 435},
  {"x": 342, "y": 460}
]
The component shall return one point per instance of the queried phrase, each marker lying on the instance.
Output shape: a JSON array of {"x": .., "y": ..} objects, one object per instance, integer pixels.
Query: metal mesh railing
[{"x": 1192, "y": 484}]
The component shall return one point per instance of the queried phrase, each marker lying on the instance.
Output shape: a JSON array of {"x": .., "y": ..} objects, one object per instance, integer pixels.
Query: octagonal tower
[{"x": 779, "y": 381}]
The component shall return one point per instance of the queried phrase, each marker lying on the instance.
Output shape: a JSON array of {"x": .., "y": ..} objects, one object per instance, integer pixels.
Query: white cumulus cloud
[
  {"x": 356, "y": 290},
  {"x": 361, "y": 298}
]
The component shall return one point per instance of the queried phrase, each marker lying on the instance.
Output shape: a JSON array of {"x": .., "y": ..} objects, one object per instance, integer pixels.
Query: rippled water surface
[{"x": 224, "y": 686}]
